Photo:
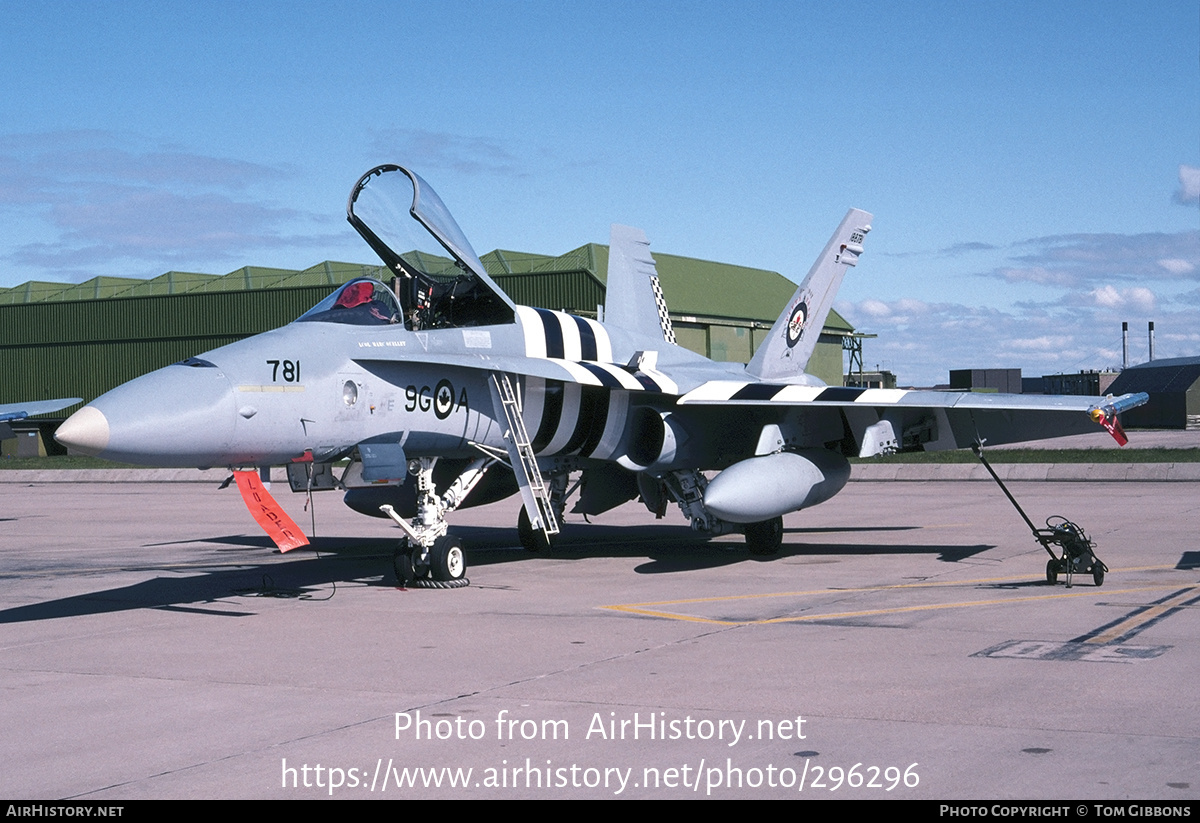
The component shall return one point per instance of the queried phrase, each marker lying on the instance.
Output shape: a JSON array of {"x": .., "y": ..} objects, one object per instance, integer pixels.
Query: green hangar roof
[{"x": 691, "y": 286}]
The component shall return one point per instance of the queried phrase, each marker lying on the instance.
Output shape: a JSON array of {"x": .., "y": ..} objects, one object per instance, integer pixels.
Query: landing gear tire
[
  {"x": 409, "y": 568},
  {"x": 1098, "y": 573},
  {"x": 764, "y": 539},
  {"x": 1052, "y": 571},
  {"x": 534, "y": 540},
  {"x": 447, "y": 561}
]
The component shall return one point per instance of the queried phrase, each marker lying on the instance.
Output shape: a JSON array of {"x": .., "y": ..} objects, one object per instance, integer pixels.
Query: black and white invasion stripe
[
  {"x": 733, "y": 391},
  {"x": 566, "y": 418},
  {"x": 582, "y": 347}
]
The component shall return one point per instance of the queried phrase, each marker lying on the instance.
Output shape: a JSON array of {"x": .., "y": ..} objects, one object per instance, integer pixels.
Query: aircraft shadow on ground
[
  {"x": 677, "y": 548},
  {"x": 226, "y": 581}
]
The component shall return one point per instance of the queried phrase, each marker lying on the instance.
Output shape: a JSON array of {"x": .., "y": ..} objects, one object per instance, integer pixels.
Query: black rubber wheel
[
  {"x": 402, "y": 563},
  {"x": 1052, "y": 571},
  {"x": 764, "y": 538},
  {"x": 1098, "y": 573},
  {"x": 407, "y": 569},
  {"x": 446, "y": 559},
  {"x": 534, "y": 540}
]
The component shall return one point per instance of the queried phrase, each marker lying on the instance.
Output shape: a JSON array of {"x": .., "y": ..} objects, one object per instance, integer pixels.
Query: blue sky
[{"x": 1034, "y": 168}]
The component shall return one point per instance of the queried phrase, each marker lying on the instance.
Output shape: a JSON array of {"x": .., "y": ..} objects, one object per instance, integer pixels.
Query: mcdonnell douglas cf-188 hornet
[{"x": 435, "y": 391}]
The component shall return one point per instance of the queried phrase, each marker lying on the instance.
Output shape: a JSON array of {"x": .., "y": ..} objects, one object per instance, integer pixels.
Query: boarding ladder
[{"x": 524, "y": 462}]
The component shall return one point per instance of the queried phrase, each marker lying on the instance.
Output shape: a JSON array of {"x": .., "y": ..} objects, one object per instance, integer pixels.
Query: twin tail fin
[{"x": 792, "y": 339}]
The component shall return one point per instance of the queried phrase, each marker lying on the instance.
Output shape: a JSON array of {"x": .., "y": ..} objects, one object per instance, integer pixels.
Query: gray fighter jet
[{"x": 435, "y": 391}]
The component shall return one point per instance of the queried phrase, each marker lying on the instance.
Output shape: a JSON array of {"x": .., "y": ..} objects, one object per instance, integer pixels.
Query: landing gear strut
[
  {"x": 430, "y": 558},
  {"x": 687, "y": 490}
]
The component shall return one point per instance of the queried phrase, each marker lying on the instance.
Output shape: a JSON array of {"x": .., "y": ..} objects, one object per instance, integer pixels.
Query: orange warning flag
[
  {"x": 274, "y": 521},
  {"x": 1112, "y": 424}
]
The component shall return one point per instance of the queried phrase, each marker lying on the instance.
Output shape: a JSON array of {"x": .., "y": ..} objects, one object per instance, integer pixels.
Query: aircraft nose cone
[
  {"x": 85, "y": 431},
  {"x": 179, "y": 416}
]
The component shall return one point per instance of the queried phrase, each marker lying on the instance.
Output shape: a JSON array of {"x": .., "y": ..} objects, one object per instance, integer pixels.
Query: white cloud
[
  {"x": 1141, "y": 297},
  {"x": 1044, "y": 343},
  {"x": 910, "y": 306},
  {"x": 94, "y": 202},
  {"x": 1089, "y": 284},
  {"x": 1189, "y": 185},
  {"x": 1176, "y": 266},
  {"x": 1039, "y": 274},
  {"x": 1107, "y": 296},
  {"x": 874, "y": 308},
  {"x": 1072, "y": 259},
  {"x": 1137, "y": 298},
  {"x": 1081, "y": 330}
]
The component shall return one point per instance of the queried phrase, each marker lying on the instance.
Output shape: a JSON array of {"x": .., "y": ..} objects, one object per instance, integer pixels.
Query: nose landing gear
[{"x": 429, "y": 558}]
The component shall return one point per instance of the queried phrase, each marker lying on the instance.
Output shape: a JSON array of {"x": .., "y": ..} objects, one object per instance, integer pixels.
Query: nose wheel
[
  {"x": 409, "y": 566},
  {"x": 442, "y": 566}
]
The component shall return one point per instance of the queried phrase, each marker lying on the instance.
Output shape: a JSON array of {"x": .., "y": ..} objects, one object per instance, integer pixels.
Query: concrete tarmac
[{"x": 904, "y": 644}]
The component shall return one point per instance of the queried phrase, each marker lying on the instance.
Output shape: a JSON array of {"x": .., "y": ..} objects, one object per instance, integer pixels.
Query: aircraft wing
[
  {"x": 18, "y": 411},
  {"x": 725, "y": 392},
  {"x": 886, "y": 419},
  {"x": 584, "y": 372}
]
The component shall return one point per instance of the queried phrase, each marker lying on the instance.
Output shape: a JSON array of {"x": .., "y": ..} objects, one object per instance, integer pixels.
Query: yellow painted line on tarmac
[
  {"x": 672, "y": 616},
  {"x": 654, "y": 609},
  {"x": 1156, "y": 569},
  {"x": 1135, "y": 620},
  {"x": 931, "y": 607},
  {"x": 922, "y": 585}
]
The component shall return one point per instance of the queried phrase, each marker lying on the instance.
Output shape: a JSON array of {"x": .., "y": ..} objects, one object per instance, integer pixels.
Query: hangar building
[{"x": 1174, "y": 389}]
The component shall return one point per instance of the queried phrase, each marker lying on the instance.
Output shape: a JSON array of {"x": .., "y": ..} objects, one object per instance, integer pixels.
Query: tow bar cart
[{"x": 1074, "y": 554}]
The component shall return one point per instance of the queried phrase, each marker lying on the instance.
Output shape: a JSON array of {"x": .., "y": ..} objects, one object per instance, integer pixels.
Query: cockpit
[
  {"x": 361, "y": 302},
  {"x": 438, "y": 282}
]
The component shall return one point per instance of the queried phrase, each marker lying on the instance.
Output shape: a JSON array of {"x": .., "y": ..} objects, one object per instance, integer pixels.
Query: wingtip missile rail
[{"x": 1106, "y": 413}]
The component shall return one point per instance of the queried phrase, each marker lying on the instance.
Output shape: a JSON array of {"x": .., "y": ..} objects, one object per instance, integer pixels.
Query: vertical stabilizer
[
  {"x": 792, "y": 339},
  {"x": 633, "y": 299}
]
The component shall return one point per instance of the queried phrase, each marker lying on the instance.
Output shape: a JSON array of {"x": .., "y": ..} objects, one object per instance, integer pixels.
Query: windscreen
[{"x": 361, "y": 302}]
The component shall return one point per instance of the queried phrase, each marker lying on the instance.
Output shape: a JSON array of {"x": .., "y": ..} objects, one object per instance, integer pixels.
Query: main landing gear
[
  {"x": 763, "y": 539},
  {"x": 533, "y": 540}
]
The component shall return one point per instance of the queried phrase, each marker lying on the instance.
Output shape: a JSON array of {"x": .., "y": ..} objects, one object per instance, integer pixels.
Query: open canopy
[{"x": 402, "y": 218}]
